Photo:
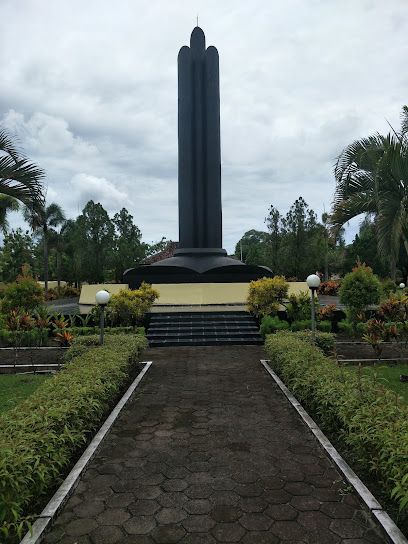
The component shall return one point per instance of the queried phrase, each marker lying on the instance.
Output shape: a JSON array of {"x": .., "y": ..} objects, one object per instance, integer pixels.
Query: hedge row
[
  {"x": 371, "y": 419},
  {"x": 37, "y": 337},
  {"x": 39, "y": 437}
]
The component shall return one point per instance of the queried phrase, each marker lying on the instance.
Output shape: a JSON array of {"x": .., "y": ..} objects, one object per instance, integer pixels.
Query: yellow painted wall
[{"x": 88, "y": 292}]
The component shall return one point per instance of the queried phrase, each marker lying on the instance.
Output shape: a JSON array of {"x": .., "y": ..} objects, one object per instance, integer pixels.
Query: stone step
[
  {"x": 195, "y": 328},
  {"x": 221, "y": 341}
]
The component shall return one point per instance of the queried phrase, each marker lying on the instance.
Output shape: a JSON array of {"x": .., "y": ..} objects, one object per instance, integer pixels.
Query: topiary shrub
[
  {"x": 266, "y": 294},
  {"x": 360, "y": 288}
]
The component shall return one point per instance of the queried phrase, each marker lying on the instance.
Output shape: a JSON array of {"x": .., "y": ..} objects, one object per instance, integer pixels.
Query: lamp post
[
  {"x": 313, "y": 282},
  {"x": 402, "y": 285},
  {"x": 102, "y": 298}
]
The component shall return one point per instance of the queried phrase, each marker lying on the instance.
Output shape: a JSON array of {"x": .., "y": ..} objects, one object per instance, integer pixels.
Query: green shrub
[
  {"x": 324, "y": 326},
  {"x": 51, "y": 294},
  {"x": 353, "y": 329},
  {"x": 347, "y": 327},
  {"x": 301, "y": 325},
  {"x": 266, "y": 294},
  {"x": 299, "y": 306},
  {"x": 31, "y": 338},
  {"x": 326, "y": 313},
  {"x": 25, "y": 293},
  {"x": 360, "y": 288},
  {"x": 271, "y": 324},
  {"x": 388, "y": 288},
  {"x": 41, "y": 436},
  {"x": 69, "y": 292},
  {"x": 369, "y": 418},
  {"x": 128, "y": 308}
]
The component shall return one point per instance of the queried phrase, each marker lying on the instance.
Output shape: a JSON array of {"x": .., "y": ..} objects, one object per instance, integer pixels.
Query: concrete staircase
[{"x": 202, "y": 329}]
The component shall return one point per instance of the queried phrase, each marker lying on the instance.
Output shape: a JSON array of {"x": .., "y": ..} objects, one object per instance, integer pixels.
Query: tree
[
  {"x": 17, "y": 251},
  {"x": 250, "y": 238},
  {"x": 364, "y": 248},
  {"x": 302, "y": 245},
  {"x": 274, "y": 224},
  {"x": 7, "y": 204},
  {"x": 41, "y": 220},
  {"x": 372, "y": 178},
  {"x": 129, "y": 249},
  {"x": 19, "y": 178},
  {"x": 255, "y": 255},
  {"x": 96, "y": 235}
]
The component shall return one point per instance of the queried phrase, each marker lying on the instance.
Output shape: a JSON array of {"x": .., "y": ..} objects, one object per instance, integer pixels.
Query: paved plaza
[{"x": 209, "y": 450}]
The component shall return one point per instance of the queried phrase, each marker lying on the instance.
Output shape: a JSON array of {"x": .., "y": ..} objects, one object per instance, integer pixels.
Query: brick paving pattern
[{"x": 208, "y": 450}]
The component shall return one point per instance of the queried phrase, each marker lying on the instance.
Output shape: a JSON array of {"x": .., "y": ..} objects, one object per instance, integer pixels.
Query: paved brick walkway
[{"x": 208, "y": 451}]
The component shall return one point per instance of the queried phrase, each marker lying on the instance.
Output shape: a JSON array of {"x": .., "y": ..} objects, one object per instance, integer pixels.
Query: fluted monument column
[{"x": 199, "y": 148}]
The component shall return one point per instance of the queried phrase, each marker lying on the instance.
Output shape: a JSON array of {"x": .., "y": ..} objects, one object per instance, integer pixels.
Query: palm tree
[
  {"x": 19, "y": 178},
  {"x": 7, "y": 204},
  {"x": 41, "y": 221},
  {"x": 372, "y": 178}
]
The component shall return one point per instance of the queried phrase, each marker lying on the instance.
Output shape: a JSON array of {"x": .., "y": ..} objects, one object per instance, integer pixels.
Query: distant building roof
[{"x": 167, "y": 252}]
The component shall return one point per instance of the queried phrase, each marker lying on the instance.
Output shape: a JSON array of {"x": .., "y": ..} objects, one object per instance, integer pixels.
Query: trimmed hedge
[
  {"x": 371, "y": 419},
  {"x": 40, "y": 436}
]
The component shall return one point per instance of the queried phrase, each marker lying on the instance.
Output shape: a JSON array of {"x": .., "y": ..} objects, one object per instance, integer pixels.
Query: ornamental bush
[
  {"x": 370, "y": 419},
  {"x": 299, "y": 306},
  {"x": 329, "y": 288},
  {"x": 266, "y": 294},
  {"x": 271, "y": 324},
  {"x": 25, "y": 293},
  {"x": 129, "y": 307},
  {"x": 40, "y": 437},
  {"x": 359, "y": 289}
]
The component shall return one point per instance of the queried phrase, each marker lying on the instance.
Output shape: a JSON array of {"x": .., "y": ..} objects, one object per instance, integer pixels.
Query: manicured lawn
[
  {"x": 16, "y": 387},
  {"x": 390, "y": 377}
]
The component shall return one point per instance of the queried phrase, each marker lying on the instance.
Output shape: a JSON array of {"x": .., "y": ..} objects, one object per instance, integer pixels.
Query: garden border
[
  {"x": 67, "y": 487},
  {"x": 384, "y": 520}
]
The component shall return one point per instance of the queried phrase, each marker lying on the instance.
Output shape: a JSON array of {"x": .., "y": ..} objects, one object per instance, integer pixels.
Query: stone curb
[
  {"x": 384, "y": 520},
  {"x": 67, "y": 487}
]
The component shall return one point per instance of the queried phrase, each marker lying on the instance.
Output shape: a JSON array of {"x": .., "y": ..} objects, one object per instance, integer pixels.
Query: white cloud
[{"x": 93, "y": 98}]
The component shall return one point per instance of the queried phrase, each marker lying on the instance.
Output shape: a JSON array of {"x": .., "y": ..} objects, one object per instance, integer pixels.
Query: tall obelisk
[
  {"x": 199, "y": 148},
  {"x": 200, "y": 257}
]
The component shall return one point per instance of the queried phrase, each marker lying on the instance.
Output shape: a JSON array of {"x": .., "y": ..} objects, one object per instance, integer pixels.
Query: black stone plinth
[{"x": 199, "y": 268}]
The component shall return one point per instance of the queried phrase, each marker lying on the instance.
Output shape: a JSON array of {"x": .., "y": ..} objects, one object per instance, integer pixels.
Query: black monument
[{"x": 200, "y": 257}]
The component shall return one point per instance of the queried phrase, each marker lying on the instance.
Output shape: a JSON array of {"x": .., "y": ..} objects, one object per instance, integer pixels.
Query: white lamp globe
[
  {"x": 102, "y": 297},
  {"x": 313, "y": 281},
  {"x": 401, "y": 285}
]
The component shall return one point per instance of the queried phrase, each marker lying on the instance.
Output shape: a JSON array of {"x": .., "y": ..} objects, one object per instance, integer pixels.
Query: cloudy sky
[{"x": 90, "y": 89}]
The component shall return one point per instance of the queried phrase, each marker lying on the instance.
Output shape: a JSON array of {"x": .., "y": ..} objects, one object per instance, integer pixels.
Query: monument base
[{"x": 196, "y": 265}]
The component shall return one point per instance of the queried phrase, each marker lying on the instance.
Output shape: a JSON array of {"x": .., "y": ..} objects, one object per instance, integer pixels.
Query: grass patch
[
  {"x": 388, "y": 376},
  {"x": 15, "y": 388}
]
